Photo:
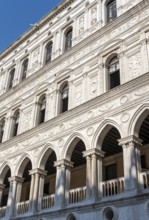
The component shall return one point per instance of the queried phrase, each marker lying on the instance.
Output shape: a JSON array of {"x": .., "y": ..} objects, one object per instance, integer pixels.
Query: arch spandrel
[
  {"x": 102, "y": 130},
  {"x": 71, "y": 143}
]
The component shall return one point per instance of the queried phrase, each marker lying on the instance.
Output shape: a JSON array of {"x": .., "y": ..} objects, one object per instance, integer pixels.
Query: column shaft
[
  {"x": 31, "y": 191},
  {"x": 35, "y": 193},
  {"x": 88, "y": 177},
  {"x": 94, "y": 177}
]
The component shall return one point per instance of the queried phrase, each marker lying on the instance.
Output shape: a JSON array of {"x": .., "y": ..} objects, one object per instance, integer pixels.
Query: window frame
[
  {"x": 46, "y": 61},
  {"x": 16, "y": 121},
  {"x": 111, "y": 8},
  {"x": 2, "y": 128},
  {"x": 68, "y": 36},
  {"x": 113, "y": 75},
  {"x": 11, "y": 78},
  {"x": 64, "y": 101},
  {"x": 23, "y": 69}
]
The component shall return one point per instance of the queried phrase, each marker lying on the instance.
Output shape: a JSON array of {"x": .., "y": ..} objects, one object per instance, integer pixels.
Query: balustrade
[
  {"x": 77, "y": 195},
  {"x": 112, "y": 187},
  {"x": 22, "y": 207},
  {"x": 145, "y": 179},
  {"x": 48, "y": 201}
]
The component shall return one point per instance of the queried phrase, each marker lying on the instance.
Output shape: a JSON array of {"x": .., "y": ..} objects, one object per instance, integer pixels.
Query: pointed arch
[
  {"x": 102, "y": 130},
  {"x": 71, "y": 143},
  {"x": 3, "y": 171},
  {"x": 137, "y": 119},
  {"x": 22, "y": 164},
  {"x": 44, "y": 155}
]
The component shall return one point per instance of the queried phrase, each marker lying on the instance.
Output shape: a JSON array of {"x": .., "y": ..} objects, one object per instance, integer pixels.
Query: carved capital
[
  {"x": 16, "y": 179},
  {"x": 93, "y": 152},
  {"x": 38, "y": 171},
  {"x": 63, "y": 162},
  {"x": 127, "y": 141}
]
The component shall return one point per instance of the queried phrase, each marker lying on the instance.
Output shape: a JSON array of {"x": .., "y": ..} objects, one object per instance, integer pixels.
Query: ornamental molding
[
  {"x": 76, "y": 119},
  {"x": 68, "y": 59}
]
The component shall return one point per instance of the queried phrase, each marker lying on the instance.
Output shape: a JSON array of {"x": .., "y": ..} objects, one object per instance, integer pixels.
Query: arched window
[
  {"x": 42, "y": 110},
  {"x": 64, "y": 98},
  {"x": 24, "y": 69},
  {"x": 11, "y": 78},
  {"x": 68, "y": 39},
  {"x": 111, "y": 10},
  {"x": 48, "y": 56},
  {"x": 114, "y": 73},
  {"x": 2, "y": 126},
  {"x": 16, "y": 118}
]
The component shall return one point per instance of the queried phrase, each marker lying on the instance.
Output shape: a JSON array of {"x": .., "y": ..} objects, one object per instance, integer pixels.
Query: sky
[{"x": 17, "y": 15}]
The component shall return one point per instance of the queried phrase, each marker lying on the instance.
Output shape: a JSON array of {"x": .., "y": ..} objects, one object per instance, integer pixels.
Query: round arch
[
  {"x": 71, "y": 143},
  {"x": 137, "y": 119},
  {"x": 71, "y": 217},
  {"x": 44, "y": 155},
  {"x": 102, "y": 130}
]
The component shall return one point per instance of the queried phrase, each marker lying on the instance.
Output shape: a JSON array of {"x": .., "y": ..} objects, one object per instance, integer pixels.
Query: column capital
[
  {"x": 38, "y": 171},
  {"x": 63, "y": 162},
  {"x": 16, "y": 179},
  {"x": 124, "y": 142},
  {"x": 93, "y": 151}
]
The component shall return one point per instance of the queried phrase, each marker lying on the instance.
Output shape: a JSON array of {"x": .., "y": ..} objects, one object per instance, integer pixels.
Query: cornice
[
  {"x": 54, "y": 13},
  {"x": 58, "y": 9}
]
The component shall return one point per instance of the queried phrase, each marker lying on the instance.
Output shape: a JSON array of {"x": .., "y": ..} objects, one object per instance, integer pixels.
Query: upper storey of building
[
  {"x": 83, "y": 18},
  {"x": 79, "y": 51}
]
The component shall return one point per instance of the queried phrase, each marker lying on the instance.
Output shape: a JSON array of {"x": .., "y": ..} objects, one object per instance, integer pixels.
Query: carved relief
[
  {"x": 27, "y": 120},
  {"x": 134, "y": 63},
  {"x": 81, "y": 24},
  {"x": 78, "y": 94},
  {"x": 125, "y": 117},
  {"x": 35, "y": 60},
  {"x": 90, "y": 131},
  {"x": 61, "y": 143},
  {"x": 124, "y": 99},
  {"x": 93, "y": 86},
  {"x": 93, "y": 15}
]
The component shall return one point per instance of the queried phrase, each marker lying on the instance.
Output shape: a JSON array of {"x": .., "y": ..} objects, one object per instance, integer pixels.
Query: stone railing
[
  {"x": 77, "y": 195},
  {"x": 47, "y": 201},
  {"x": 3, "y": 211},
  {"x": 112, "y": 187},
  {"x": 145, "y": 179},
  {"x": 22, "y": 207}
]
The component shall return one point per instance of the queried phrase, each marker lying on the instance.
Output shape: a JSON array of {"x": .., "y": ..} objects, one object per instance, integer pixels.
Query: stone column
[
  {"x": 93, "y": 176},
  {"x": 12, "y": 197},
  {"x": 88, "y": 177},
  {"x": 131, "y": 160},
  {"x": 43, "y": 173},
  {"x": 62, "y": 182},
  {"x": 36, "y": 188},
  {"x": 2, "y": 186},
  {"x": 31, "y": 190}
]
